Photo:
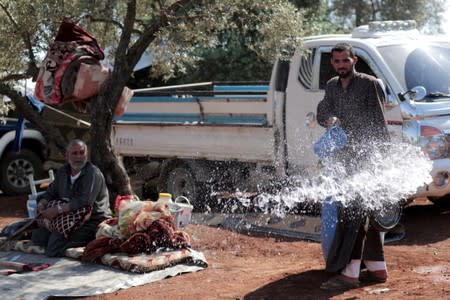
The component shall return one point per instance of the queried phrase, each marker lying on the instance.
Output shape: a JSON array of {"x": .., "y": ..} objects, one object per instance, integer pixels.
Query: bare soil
[{"x": 251, "y": 267}]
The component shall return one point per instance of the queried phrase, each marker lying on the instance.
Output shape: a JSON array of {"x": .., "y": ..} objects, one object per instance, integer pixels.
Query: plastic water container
[
  {"x": 32, "y": 204},
  {"x": 31, "y": 207},
  {"x": 165, "y": 198}
]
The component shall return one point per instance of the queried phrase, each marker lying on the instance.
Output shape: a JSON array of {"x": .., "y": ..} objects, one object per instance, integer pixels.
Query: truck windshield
[{"x": 417, "y": 64}]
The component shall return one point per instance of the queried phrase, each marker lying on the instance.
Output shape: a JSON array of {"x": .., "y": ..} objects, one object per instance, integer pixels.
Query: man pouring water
[{"x": 353, "y": 101}]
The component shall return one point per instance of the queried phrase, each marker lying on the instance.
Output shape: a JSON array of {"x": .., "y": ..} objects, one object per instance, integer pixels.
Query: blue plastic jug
[{"x": 333, "y": 139}]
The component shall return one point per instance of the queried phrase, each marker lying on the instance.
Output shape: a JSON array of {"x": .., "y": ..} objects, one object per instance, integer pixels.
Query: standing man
[
  {"x": 355, "y": 101},
  {"x": 81, "y": 185}
]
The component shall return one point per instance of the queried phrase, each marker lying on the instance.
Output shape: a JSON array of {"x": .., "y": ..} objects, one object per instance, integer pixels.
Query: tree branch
[
  {"x": 21, "y": 102},
  {"x": 32, "y": 65},
  {"x": 15, "y": 77},
  {"x": 135, "y": 52},
  {"x": 125, "y": 37},
  {"x": 103, "y": 20}
]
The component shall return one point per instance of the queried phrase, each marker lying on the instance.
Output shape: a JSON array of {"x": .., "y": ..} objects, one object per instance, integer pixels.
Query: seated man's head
[{"x": 76, "y": 154}]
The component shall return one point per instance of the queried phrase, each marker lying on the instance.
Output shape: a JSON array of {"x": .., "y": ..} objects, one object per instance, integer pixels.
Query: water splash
[{"x": 387, "y": 176}]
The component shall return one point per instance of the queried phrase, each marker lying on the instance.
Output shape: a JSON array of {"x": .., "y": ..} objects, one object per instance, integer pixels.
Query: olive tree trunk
[
  {"x": 102, "y": 148},
  {"x": 102, "y": 107}
]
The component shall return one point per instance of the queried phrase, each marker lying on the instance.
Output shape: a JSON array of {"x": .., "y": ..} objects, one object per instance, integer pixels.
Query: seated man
[{"x": 80, "y": 184}]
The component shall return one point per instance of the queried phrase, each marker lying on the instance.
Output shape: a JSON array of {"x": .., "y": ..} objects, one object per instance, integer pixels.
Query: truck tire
[
  {"x": 387, "y": 217},
  {"x": 14, "y": 170},
  {"x": 180, "y": 181}
]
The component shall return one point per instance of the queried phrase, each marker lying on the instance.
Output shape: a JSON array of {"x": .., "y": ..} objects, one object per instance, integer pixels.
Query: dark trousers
[
  {"x": 56, "y": 244},
  {"x": 352, "y": 241},
  {"x": 368, "y": 245}
]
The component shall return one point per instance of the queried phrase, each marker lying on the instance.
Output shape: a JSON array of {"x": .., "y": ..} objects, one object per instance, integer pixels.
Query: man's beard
[
  {"x": 344, "y": 73},
  {"x": 77, "y": 165}
]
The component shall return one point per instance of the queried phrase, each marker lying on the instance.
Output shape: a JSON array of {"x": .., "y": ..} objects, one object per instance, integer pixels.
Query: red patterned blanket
[{"x": 138, "y": 263}]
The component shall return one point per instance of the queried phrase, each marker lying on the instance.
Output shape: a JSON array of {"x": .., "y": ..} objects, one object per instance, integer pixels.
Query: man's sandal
[
  {"x": 374, "y": 276},
  {"x": 339, "y": 283}
]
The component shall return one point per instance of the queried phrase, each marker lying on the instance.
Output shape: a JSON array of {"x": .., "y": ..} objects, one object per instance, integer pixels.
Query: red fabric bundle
[
  {"x": 99, "y": 247},
  {"x": 72, "y": 45},
  {"x": 137, "y": 243}
]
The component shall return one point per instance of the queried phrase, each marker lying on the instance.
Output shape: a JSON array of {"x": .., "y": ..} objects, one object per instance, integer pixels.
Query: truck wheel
[
  {"x": 387, "y": 217},
  {"x": 181, "y": 182},
  {"x": 14, "y": 170}
]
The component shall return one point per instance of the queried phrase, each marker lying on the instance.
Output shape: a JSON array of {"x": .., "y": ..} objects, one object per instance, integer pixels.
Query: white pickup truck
[{"x": 194, "y": 139}]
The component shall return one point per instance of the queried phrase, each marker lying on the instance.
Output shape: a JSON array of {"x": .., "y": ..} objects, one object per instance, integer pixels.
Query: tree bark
[
  {"x": 102, "y": 149},
  {"x": 103, "y": 106}
]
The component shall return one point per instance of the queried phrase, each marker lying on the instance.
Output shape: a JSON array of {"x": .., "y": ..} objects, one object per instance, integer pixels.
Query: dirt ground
[{"x": 250, "y": 267}]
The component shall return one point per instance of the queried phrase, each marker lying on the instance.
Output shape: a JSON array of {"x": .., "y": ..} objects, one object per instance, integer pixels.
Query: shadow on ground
[
  {"x": 15, "y": 206},
  {"x": 425, "y": 224},
  {"x": 299, "y": 286},
  {"x": 305, "y": 285}
]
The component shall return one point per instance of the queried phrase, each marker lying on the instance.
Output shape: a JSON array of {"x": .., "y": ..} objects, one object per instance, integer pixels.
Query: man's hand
[
  {"x": 50, "y": 212},
  {"x": 333, "y": 121},
  {"x": 41, "y": 206}
]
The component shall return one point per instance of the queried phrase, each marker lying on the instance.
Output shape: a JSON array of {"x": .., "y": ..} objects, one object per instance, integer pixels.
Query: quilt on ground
[{"x": 138, "y": 263}]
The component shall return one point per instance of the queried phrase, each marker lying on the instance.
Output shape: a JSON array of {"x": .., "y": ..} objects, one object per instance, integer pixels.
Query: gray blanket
[{"x": 70, "y": 278}]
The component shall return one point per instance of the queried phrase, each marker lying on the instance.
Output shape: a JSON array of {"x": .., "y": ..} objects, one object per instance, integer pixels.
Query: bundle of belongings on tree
[{"x": 72, "y": 72}]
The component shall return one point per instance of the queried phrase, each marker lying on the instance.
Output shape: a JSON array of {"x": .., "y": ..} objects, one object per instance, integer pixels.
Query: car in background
[
  {"x": 32, "y": 154},
  {"x": 15, "y": 166}
]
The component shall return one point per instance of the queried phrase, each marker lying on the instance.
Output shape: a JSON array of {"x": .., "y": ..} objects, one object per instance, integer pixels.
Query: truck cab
[{"x": 413, "y": 70}]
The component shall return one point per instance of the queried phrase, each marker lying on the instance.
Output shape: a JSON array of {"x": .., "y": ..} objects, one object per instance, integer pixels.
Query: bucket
[{"x": 181, "y": 210}]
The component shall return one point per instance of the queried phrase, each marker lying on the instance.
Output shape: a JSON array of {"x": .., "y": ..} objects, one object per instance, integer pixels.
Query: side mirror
[{"x": 417, "y": 93}]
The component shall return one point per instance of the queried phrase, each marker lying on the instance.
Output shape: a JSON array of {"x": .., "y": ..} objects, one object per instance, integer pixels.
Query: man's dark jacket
[{"x": 88, "y": 188}]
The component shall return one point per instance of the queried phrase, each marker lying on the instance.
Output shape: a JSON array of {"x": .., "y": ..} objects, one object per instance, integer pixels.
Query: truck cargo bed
[{"x": 219, "y": 122}]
